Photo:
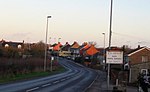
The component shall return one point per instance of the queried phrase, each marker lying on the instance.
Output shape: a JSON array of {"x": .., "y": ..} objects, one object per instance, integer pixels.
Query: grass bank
[{"x": 32, "y": 75}]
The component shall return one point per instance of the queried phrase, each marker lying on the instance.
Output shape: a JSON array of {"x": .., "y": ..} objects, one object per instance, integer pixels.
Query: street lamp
[{"x": 46, "y": 43}]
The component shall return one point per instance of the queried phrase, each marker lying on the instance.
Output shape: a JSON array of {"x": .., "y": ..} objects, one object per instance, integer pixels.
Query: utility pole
[{"x": 110, "y": 34}]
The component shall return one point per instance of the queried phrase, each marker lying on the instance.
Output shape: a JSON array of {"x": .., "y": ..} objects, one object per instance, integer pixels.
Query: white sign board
[
  {"x": 52, "y": 58},
  {"x": 114, "y": 57}
]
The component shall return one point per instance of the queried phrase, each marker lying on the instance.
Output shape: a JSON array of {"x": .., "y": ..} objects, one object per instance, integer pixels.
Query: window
[
  {"x": 144, "y": 71},
  {"x": 6, "y": 45},
  {"x": 19, "y": 46},
  {"x": 144, "y": 58}
]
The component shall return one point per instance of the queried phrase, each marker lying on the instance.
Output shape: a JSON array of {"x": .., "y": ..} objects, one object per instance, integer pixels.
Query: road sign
[
  {"x": 114, "y": 57},
  {"x": 52, "y": 58}
]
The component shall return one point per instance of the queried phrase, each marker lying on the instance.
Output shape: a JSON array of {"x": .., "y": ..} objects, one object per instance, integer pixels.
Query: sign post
[
  {"x": 52, "y": 58},
  {"x": 113, "y": 57}
]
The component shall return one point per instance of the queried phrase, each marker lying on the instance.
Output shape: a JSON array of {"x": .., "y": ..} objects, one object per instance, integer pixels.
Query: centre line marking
[
  {"x": 32, "y": 89},
  {"x": 55, "y": 82},
  {"x": 62, "y": 79},
  {"x": 46, "y": 85}
]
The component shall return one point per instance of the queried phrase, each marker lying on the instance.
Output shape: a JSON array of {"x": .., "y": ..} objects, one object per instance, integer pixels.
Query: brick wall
[{"x": 137, "y": 57}]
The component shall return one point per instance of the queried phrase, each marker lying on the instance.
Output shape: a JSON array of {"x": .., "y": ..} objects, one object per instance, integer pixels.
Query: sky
[{"x": 76, "y": 20}]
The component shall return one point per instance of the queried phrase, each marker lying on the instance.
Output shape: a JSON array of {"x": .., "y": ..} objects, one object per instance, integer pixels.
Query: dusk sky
[{"x": 76, "y": 20}]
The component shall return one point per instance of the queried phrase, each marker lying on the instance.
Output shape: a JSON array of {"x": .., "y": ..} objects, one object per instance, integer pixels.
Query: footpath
[{"x": 100, "y": 85}]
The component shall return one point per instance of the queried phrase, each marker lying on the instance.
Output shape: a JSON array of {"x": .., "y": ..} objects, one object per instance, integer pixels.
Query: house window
[
  {"x": 19, "y": 46},
  {"x": 144, "y": 71},
  {"x": 6, "y": 45},
  {"x": 144, "y": 58}
]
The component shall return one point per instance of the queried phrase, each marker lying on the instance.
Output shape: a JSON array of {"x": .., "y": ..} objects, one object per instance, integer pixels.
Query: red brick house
[{"x": 138, "y": 60}]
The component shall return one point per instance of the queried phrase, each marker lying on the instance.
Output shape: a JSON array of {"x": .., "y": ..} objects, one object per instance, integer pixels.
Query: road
[{"x": 77, "y": 79}]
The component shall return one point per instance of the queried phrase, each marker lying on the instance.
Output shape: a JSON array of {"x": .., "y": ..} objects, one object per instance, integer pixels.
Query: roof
[
  {"x": 92, "y": 50},
  {"x": 85, "y": 47},
  {"x": 2, "y": 41},
  {"x": 66, "y": 47},
  {"x": 57, "y": 47},
  {"x": 75, "y": 45},
  {"x": 137, "y": 50}
]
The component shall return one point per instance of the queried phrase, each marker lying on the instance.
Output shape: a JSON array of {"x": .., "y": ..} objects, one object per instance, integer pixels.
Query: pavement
[{"x": 100, "y": 85}]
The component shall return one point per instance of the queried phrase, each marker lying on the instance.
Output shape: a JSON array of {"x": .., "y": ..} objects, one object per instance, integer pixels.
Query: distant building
[
  {"x": 4, "y": 43},
  {"x": 56, "y": 48},
  {"x": 75, "y": 50},
  {"x": 65, "y": 51}
]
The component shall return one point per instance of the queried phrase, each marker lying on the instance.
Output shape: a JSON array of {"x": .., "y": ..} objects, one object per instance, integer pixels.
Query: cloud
[{"x": 19, "y": 36}]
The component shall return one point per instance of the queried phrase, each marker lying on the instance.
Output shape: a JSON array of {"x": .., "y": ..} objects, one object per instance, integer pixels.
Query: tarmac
[{"x": 100, "y": 85}]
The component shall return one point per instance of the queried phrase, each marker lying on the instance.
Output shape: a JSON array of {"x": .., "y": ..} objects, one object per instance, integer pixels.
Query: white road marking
[
  {"x": 32, "y": 89},
  {"x": 68, "y": 78},
  {"x": 62, "y": 79},
  {"x": 55, "y": 82},
  {"x": 46, "y": 85}
]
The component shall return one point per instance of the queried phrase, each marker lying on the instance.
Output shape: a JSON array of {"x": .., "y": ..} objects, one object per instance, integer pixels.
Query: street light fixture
[{"x": 46, "y": 43}]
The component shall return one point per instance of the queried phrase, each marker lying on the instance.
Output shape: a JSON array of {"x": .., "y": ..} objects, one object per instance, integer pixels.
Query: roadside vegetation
[{"x": 25, "y": 63}]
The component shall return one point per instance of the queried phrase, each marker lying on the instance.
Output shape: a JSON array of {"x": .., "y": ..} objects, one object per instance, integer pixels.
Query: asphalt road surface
[{"x": 77, "y": 79}]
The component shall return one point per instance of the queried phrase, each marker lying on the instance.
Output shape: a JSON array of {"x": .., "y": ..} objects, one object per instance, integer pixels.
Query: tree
[
  {"x": 11, "y": 52},
  {"x": 38, "y": 49},
  {"x": 1, "y": 51}
]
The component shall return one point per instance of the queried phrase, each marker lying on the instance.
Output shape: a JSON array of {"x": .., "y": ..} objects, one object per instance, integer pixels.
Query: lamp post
[
  {"x": 104, "y": 52},
  {"x": 46, "y": 43}
]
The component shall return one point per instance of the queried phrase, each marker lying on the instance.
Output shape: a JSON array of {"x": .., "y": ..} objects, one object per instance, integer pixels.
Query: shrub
[{"x": 12, "y": 67}]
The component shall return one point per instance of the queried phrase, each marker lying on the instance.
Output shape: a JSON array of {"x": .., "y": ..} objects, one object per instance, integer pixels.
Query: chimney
[
  {"x": 67, "y": 43},
  {"x": 139, "y": 46}
]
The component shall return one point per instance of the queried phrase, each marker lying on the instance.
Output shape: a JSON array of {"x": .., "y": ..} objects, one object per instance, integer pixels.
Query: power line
[
  {"x": 130, "y": 36},
  {"x": 139, "y": 40}
]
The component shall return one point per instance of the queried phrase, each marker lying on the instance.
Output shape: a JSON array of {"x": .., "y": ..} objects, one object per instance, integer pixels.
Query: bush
[
  {"x": 38, "y": 49},
  {"x": 12, "y": 67},
  {"x": 11, "y": 52}
]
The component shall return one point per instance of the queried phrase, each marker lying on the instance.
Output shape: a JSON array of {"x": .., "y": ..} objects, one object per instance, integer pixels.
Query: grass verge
[{"x": 32, "y": 75}]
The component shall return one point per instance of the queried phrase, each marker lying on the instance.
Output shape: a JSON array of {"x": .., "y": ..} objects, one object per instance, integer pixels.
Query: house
[
  {"x": 65, "y": 51},
  {"x": 75, "y": 50},
  {"x": 84, "y": 47},
  {"x": 56, "y": 49},
  {"x": 4, "y": 43},
  {"x": 138, "y": 60},
  {"x": 90, "y": 55}
]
